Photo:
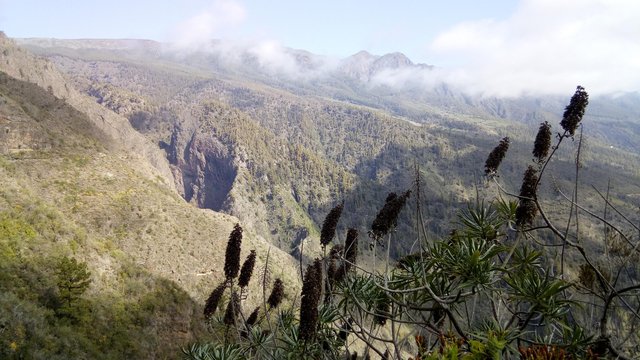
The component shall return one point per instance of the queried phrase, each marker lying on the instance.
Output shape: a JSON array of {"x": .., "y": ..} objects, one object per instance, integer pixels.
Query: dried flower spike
[
  {"x": 526, "y": 210},
  {"x": 388, "y": 216},
  {"x": 351, "y": 248},
  {"x": 277, "y": 293},
  {"x": 311, "y": 291},
  {"x": 232, "y": 256},
  {"x": 214, "y": 299},
  {"x": 251, "y": 320},
  {"x": 495, "y": 157},
  {"x": 247, "y": 269},
  {"x": 575, "y": 110},
  {"x": 233, "y": 309},
  {"x": 329, "y": 225},
  {"x": 350, "y": 256},
  {"x": 543, "y": 142}
]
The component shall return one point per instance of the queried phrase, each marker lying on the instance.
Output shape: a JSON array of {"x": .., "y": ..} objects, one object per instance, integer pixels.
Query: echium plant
[
  {"x": 496, "y": 156},
  {"x": 574, "y": 112},
  {"x": 509, "y": 281},
  {"x": 329, "y": 225},
  {"x": 493, "y": 291}
]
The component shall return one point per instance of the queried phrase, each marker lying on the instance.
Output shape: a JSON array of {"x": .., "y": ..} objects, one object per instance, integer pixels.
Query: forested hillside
[{"x": 279, "y": 151}]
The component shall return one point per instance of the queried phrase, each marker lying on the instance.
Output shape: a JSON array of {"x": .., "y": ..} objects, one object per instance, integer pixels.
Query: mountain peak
[
  {"x": 362, "y": 54},
  {"x": 392, "y": 61},
  {"x": 363, "y": 65}
]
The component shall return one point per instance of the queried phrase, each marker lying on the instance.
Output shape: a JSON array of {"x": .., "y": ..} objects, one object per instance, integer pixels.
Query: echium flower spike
[
  {"x": 388, "y": 216},
  {"x": 233, "y": 309},
  {"x": 211, "y": 305},
  {"x": 328, "y": 285},
  {"x": 543, "y": 142},
  {"x": 330, "y": 223},
  {"x": 351, "y": 248},
  {"x": 232, "y": 255},
  {"x": 575, "y": 110},
  {"x": 350, "y": 255},
  {"x": 527, "y": 210},
  {"x": 311, "y": 291},
  {"x": 247, "y": 269},
  {"x": 495, "y": 157},
  {"x": 253, "y": 318},
  {"x": 277, "y": 294}
]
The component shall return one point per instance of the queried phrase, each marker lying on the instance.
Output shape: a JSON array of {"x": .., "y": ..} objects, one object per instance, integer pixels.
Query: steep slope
[
  {"x": 69, "y": 187},
  {"x": 18, "y": 63}
]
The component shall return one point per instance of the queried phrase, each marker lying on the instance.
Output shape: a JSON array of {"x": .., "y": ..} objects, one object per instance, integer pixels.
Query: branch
[{"x": 604, "y": 334}]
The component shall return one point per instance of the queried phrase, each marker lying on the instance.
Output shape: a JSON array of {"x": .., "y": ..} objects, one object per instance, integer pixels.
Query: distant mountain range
[{"x": 294, "y": 97}]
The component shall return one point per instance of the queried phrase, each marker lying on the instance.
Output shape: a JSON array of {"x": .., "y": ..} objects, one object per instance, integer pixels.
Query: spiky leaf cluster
[
  {"x": 382, "y": 307},
  {"x": 575, "y": 110},
  {"x": 496, "y": 156},
  {"x": 311, "y": 291},
  {"x": 527, "y": 210},
  {"x": 388, "y": 216},
  {"x": 247, "y": 269},
  {"x": 211, "y": 305},
  {"x": 586, "y": 276},
  {"x": 329, "y": 225},
  {"x": 542, "y": 143},
  {"x": 232, "y": 255}
]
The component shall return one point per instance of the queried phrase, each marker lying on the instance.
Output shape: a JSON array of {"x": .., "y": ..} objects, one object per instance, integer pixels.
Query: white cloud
[
  {"x": 548, "y": 46},
  {"x": 212, "y": 23},
  {"x": 273, "y": 56},
  {"x": 221, "y": 21}
]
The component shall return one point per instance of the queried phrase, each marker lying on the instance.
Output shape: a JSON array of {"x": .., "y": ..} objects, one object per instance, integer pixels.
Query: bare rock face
[
  {"x": 209, "y": 172},
  {"x": 204, "y": 169},
  {"x": 358, "y": 66},
  {"x": 390, "y": 62}
]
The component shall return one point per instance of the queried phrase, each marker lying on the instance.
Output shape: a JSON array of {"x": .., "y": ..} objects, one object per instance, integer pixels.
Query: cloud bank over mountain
[{"x": 543, "y": 47}]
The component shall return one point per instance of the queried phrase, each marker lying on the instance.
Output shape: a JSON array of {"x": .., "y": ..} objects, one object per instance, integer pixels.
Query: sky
[{"x": 501, "y": 47}]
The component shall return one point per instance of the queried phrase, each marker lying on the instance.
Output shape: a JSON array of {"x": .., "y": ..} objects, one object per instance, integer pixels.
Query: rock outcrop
[{"x": 204, "y": 169}]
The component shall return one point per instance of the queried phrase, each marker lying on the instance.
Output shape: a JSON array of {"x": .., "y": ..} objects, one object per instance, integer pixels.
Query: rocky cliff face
[{"x": 203, "y": 168}]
